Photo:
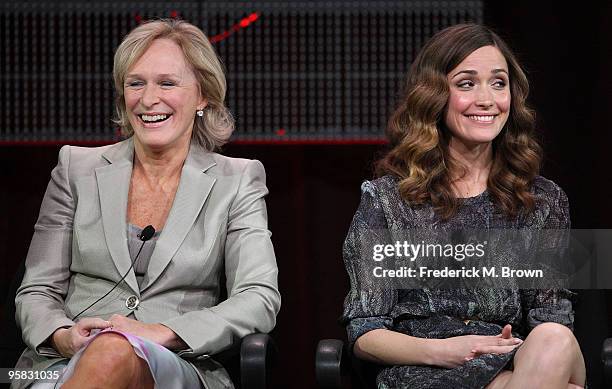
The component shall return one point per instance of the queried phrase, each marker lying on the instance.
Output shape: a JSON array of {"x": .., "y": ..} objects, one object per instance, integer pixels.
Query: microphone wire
[{"x": 145, "y": 235}]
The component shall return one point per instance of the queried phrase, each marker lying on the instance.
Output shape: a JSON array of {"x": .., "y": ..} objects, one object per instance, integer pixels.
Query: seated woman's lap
[{"x": 166, "y": 368}]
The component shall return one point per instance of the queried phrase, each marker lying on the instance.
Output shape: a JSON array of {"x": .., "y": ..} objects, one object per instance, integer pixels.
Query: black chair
[
  {"x": 249, "y": 364},
  {"x": 334, "y": 364},
  {"x": 250, "y": 368}
]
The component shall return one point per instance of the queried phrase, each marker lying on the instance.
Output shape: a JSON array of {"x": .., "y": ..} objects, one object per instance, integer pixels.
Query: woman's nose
[
  {"x": 484, "y": 98},
  {"x": 150, "y": 96}
]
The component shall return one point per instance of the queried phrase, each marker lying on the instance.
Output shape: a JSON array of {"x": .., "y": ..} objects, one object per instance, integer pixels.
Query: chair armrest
[
  {"x": 606, "y": 357},
  {"x": 257, "y": 355},
  {"x": 330, "y": 363}
]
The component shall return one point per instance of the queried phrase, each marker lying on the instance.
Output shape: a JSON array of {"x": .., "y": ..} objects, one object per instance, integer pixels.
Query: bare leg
[
  {"x": 110, "y": 362},
  {"x": 502, "y": 379},
  {"x": 550, "y": 357}
]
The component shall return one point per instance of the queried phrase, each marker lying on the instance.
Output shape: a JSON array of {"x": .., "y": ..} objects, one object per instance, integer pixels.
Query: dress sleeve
[
  {"x": 551, "y": 305},
  {"x": 368, "y": 305},
  {"x": 40, "y": 298}
]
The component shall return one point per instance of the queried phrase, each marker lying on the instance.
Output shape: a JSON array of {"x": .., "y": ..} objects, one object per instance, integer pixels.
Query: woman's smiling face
[
  {"x": 479, "y": 101},
  {"x": 162, "y": 96}
]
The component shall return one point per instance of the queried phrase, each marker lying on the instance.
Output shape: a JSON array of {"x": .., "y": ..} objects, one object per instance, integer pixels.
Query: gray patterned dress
[{"x": 441, "y": 314}]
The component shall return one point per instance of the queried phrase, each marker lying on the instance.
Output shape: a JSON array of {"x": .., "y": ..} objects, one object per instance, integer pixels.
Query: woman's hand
[
  {"x": 67, "y": 341},
  {"x": 457, "y": 350},
  {"x": 155, "y": 332}
]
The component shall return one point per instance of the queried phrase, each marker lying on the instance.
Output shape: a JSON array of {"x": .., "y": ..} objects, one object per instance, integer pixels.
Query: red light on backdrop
[{"x": 243, "y": 23}]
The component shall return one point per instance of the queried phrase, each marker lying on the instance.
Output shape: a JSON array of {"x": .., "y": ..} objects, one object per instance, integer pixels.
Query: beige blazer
[{"x": 217, "y": 223}]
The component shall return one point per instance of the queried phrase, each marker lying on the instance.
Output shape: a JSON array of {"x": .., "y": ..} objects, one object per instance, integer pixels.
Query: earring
[{"x": 200, "y": 112}]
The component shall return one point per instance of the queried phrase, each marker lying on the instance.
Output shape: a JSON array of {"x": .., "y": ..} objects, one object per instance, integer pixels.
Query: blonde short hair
[{"x": 214, "y": 128}]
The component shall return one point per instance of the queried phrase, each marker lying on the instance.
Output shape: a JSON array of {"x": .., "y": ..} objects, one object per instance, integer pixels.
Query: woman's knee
[
  {"x": 554, "y": 335},
  {"x": 110, "y": 362},
  {"x": 555, "y": 343},
  {"x": 110, "y": 351}
]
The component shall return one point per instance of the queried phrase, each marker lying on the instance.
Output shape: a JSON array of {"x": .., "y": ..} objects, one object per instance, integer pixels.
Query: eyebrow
[
  {"x": 474, "y": 72},
  {"x": 164, "y": 75}
]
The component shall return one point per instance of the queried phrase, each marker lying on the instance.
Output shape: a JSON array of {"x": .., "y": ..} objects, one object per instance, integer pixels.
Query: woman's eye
[
  {"x": 465, "y": 84},
  {"x": 133, "y": 84},
  {"x": 499, "y": 84},
  {"x": 167, "y": 83}
]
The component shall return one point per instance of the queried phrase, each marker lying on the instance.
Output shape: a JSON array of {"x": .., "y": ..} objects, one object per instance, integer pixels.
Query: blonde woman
[{"x": 164, "y": 316}]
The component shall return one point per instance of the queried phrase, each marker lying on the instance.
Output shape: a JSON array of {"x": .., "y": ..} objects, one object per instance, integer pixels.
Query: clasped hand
[
  {"x": 67, "y": 341},
  {"x": 460, "y": 349}
]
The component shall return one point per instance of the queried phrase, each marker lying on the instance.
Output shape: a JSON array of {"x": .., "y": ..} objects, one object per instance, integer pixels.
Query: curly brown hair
[{"x": 419, "y": 139}]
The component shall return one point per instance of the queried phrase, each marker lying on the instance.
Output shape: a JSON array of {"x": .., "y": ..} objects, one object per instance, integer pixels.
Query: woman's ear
[{"x": 202, "y": 103}]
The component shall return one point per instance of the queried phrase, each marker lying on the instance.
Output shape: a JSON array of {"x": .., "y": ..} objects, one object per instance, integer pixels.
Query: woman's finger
[
  {"x": 493, "y": 349},
  {"x": 90, "y": 323},
  {"x": 507, "y": 331},
  {"x": 73, "y": 341},
  {"x": 505, "y": 342},
  {"x": 78, "y": 342}
]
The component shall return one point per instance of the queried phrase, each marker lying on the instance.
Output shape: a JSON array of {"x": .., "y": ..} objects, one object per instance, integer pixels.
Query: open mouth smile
[
  {"x": 156, "y": 118},
  {"x": 482, "y": 118}
]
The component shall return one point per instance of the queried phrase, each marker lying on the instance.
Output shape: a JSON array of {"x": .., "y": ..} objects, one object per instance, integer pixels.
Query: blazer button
[{"x": 132, "y": 302}]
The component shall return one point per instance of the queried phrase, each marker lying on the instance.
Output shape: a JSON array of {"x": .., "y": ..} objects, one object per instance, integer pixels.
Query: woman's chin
[
  {"x": 152, "y": 141},
  {"x": 480, "y": 136},
  {"x": 160, "y": 141}
]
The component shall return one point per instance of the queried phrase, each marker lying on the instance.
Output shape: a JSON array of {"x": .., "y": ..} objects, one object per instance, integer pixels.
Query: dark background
[{"x": 314, "y": 189}]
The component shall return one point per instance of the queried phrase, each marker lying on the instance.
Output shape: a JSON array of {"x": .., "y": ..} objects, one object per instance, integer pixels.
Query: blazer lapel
[
  {"x": 113, "y": 187},
  {"x": 194, "y": 187}
]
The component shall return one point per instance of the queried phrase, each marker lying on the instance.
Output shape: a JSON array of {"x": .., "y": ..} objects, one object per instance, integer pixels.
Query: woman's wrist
[
  {"x": 169, "y": 338},
  {"x": 56, "y": 338},
  {"x": 433, "y": 351}
]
